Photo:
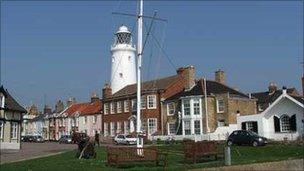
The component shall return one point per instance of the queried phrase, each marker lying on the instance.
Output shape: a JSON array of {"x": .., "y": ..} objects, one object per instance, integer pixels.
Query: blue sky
[{"x": 62, "y": 49}]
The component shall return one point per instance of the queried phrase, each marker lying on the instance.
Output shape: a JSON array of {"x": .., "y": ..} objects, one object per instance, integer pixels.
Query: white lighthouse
[{"x": 123, "y": 60}]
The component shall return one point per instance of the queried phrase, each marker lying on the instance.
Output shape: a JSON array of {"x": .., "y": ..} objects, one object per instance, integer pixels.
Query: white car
[{"x": 125, "y": 139}]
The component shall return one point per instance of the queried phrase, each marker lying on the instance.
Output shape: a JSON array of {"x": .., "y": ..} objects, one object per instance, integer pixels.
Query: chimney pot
[{"x": 220, "y": 76}]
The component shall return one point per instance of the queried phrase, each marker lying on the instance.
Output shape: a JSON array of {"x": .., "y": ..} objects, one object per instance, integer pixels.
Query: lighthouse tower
[{"x": 123, "y": 60}]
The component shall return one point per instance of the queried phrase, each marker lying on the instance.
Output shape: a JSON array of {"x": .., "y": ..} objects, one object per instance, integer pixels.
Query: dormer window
[{"x": 2, "y": 101}]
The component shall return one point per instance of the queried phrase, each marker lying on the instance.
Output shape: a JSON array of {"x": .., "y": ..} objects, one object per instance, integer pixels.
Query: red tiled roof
[{"x": 88, "y": 108}]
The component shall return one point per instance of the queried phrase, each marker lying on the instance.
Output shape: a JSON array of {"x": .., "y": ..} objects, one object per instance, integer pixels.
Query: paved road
[{"x": 34, "y": 150}]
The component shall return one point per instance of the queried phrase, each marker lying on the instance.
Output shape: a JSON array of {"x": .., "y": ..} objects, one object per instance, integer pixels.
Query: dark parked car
[
  {"x": 241, "y": 137},
  {"x": 67, "y": 139},
  {"x": 27, "y": 138},
  {"x": 38, "y": 138}
]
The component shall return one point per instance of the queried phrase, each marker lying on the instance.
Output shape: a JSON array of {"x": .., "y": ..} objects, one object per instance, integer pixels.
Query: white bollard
[{"x": 227, "y": 156}]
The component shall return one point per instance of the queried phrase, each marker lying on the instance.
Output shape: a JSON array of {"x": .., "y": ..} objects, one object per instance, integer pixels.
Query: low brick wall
[{"x": 285, "y": 165}]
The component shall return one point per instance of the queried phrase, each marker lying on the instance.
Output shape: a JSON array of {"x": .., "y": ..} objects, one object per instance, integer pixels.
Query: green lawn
[{"x": 240, "y": 155}]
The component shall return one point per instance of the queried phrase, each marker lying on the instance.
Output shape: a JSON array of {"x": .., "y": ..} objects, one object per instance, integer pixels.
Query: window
[
  {"x": 170, "y": 108},
  {"x": 119, "y": 107},
  {"x": 197, "y": 127},
  {"x": 221, "y": 123},
  {"x": 112, "y": 108},
  {"x": 1, "y": 101},
  {"x": 152, "y": 102},
  {"x": 106, "y": 109},
  {"x": 105, "y": 129},
  {"x": 285, "y": 123},
  {"x": 260, "y": 108},
  {"x": 196, "y": 107},
  {"x": 126, "y": 105},
  {"x": 134, "y": 104},
  {"x": 126, "y": 127},
  {"x": 152, "y": 125},
  {"x": 186, "y": 105},
  {"x": 187, "y": 127},
  {"x": 118, "y": 130},
  {"x": 143, "y": 102},
  {"x": 85, "y": 120},
  {"x": 171, "y": 128},
  {"x": 250, "y": 126},
  {"x": 94, "y": 119},
  {"x": 14, "y": 130},
  {"x": 63, "y": 122},
  {"x": 112, "y": 129},
  {"x": 220, "y": 105},
  {"x": 1, "y": 129}
]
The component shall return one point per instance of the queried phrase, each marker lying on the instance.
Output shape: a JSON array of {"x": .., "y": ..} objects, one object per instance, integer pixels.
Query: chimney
[
  {"x": 272, "y": 87},
  {"x": 188, "y": 75},
  {"x": 284, "y": 90},
  {"x": 47, "y": 109},
  {"x": 71, "y": 101},
  {"x": 59, "y": 107},
  {"x": 106, "y": 91},
  {"x": 220, "y": 77},
  {"x": 94, "y": 97}
]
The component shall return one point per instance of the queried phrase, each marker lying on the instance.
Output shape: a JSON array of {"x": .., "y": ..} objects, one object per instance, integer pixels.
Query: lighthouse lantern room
[{"x": 123, "y": 60}]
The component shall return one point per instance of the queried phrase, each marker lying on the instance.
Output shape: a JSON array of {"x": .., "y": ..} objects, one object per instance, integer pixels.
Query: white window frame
[
  {"x": 196, "y": 101},
  {"x": 94, "y": 119},
  {"x": 152, "y": 128},
  {"x": 1, "y": 129},
  {"x": 126, "y": 127},
  {"x": 152, "y": 99},
  {"x": 218, "y": 106},
  {"x": 106, "y": 108},
  {"x": 14, "y": 130},
  {"x": 169, "y": 129},
  {"x": 170, "y": 110},
  {"x": 143, "y": 102},
  {"x": 112, "y": 129},
  {"x": 184, "y": 127},
  {"x": 200, "y": 127},
  {"x": 118, "y": 127},
  {"x": 85, "y": 120},
  {"x": 134, "y": 104},
  {"x": 126, "y": 106},
  {"x": 286, "y": 124},
  {"x": 112, "y": 110},
  {"x": 105, "y": 129},
  {"x": 2, "y": 101},
  {"x": 119, "y": 107},
  {"x": 183, "y": 105}
]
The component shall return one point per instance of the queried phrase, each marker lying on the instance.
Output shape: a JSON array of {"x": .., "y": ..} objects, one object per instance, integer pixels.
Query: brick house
[
  {"x": 10, "y": 121},
  {"x": 185, "y": 112},
  {"x": 80, "y": 117},
  {"x": 119, "y": 109}
]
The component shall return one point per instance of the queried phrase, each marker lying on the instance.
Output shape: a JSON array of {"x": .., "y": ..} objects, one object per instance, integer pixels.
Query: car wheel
[
  {"x": 229, "y": 143},
  {"x": 115, "y": 142},
  {"x": 255, "y": 144}
]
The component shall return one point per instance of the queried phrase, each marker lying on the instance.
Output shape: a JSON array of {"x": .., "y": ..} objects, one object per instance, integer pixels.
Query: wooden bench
[
  {"x": 122, "y": 155},
  {"x": 202, "y": 149}
]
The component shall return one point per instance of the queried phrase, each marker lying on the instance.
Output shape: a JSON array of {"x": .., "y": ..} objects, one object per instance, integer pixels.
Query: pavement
[{"x": 34, "y": 150}]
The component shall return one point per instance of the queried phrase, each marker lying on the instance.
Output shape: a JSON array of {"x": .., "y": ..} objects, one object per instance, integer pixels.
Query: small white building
[{"x": 283, "y": 119}]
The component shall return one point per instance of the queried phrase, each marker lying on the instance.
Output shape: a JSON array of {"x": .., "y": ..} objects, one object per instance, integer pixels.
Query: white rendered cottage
[{"x": 283, "y": 119}]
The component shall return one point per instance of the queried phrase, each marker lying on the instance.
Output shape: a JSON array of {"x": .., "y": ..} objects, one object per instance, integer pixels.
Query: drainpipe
[{"x": 206, "y": 105}]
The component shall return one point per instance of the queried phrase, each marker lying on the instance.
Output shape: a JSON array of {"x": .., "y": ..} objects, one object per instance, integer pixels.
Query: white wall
[
  {"x": 266, "y": 122},
  {"x": 221, "y": 133}
]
